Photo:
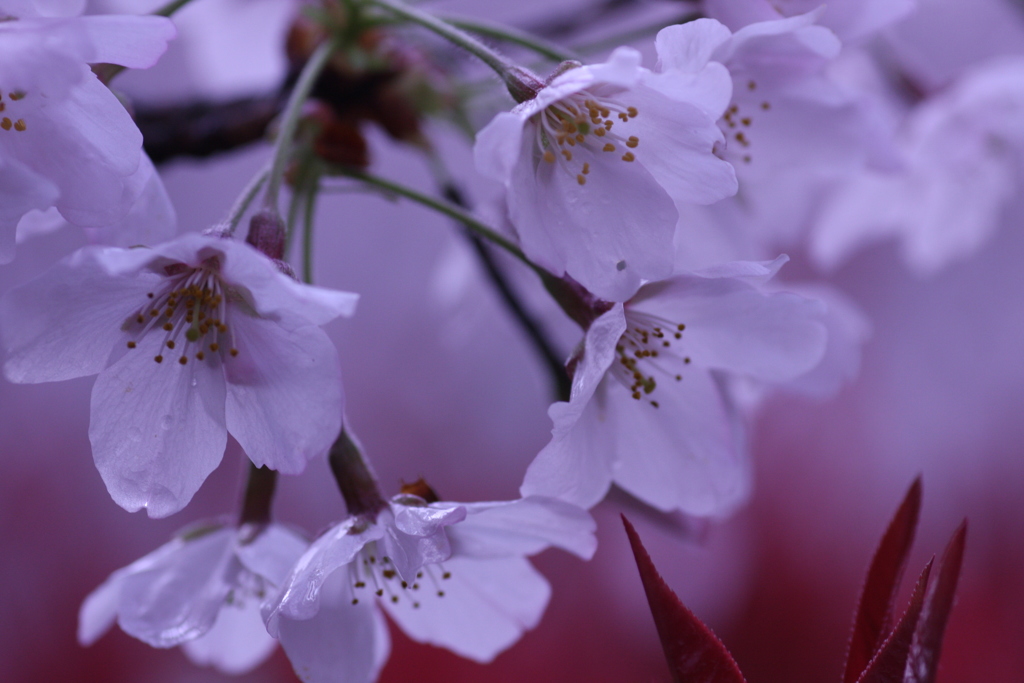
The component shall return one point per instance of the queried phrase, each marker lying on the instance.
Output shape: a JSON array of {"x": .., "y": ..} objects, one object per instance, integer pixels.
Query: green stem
[
  {"x": 514, "y": 36},
  {"x": 290, "y": 120},
  {"x": 234, "y": 217},
  {"x": 307, "y": 232},
  {"x": 521, "y": 83},
  {"x": 450, "y": 210}
]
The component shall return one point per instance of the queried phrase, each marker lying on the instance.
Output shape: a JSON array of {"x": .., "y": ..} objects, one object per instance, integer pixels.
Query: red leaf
[
  {"x": 927, "y": 645},
  {"x": 874, "y": 612},
  {"x": 889, "y": 663},
  {"x": 694, "y": 653}
]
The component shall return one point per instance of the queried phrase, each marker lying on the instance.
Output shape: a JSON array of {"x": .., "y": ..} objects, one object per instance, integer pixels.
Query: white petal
[
  {"x": 237, "y": 643},
  {"x": 486, "y": 607},
  {"x": 157, "y": 429},
  {"x": 179, "y": 597},
  {"x": 576, "y": 465},
  {"x": 150, "y": 220},
  {"x": 418, "y": 535},
  {"x": 343, "y": 643},
  {"x": 88, "y": 146},
  {"x": 686, "y": 454},
  {"x": 273, "y": 292},
  {"x": 676, "y": 143},
  {"x": 273, "y": 552},
  {"x": 99, "y": 610},
  {"x": 733, "y": 326},
  {"x": 523, "y": 527},
  {"x": 65, "y": 322},
  {"x": 21, "y": 190},
  {"x": 621, "y": 70},
  {"x": 284, "y": 396},
  {"x": 614, "y": 231},
  {"x": 299, "y": 598},
  {"x": 498, "y": 147},
  {"x": 132, "y": 41},
  {"x": 688, "y": 47}
]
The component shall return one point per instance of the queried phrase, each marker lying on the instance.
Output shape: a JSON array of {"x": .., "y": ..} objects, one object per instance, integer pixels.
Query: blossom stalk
[
  {"x": 521, "y": 83},
  {"x": 355, "y": 478},
  {"x": 290, "y": 120}
]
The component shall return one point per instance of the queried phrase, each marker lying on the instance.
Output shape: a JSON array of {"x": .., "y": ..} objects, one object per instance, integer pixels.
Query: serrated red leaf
[
  {"x": 938, "y": 603},
  {"x": 874, "y": 611},
  {"x": 889, "y": 663},
  {"x": 694, "y": 652}
]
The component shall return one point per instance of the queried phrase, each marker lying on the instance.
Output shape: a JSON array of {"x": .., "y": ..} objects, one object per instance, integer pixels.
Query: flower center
[
  {"x": 6, "y": 123},
  {"x": 583, "y": 120},
  {"x": 191, "y": 310},
  {"x": 642, "y": 348},
  {"x": 377, "y": 573}
]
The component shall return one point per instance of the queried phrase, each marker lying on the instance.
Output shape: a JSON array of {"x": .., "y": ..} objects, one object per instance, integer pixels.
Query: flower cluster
[{"x": 651, "y": 203}]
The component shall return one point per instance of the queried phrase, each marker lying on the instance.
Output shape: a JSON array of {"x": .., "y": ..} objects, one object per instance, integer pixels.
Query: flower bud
[{"x": 267, "y": 233}]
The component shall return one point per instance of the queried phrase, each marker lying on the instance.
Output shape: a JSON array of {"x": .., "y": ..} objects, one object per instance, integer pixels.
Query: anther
[
  {"x": 632, "y": 142},
  {"x": 600, "y": 132},
  {"x": 581, "y": 179},
  {"x": 233, "y": 352},
  {"x": 170, "y": 343},
  {"x": 567, "y": 154},
  {"x": 608, "y": 147},
  {"x": 131, "y": 345},
  {"x": 214, "y": 347},
  {"x": 6, "y": 123},
  {"x": 159, "y": 359},
  {"x": 549, "y": 156},
  {"x": 631, "y": 111},
  {"x": 586, "y": 167},
  {"x": 628, "y": 156},
  {"x": 183, "y": 360},
  {"x": 19, "y": 125}
]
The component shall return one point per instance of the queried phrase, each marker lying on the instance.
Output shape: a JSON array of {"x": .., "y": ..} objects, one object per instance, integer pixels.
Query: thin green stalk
[
  {"x": 307, "y": 232},
  {"x": 234, "y": 216},
  {"x": 521, "y": 83},
  {"x": 290, "y": 120},
  {"x": 514, "y": 36},
  {"x": 450, "y": 210}
]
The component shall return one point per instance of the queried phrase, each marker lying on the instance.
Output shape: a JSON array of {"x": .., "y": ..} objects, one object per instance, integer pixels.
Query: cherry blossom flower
[
  {"x": 648, "y": 410},
  {"x": 792, "y": 129},
  {"x": 595, "y": 163},
  {"x": 961, "y": 166},
  {"x": 202, "y": 591},
  {"x": 65, "y": 139},
  {"x": 449, "y": 574},
  {"x": 192, "y": 339}
]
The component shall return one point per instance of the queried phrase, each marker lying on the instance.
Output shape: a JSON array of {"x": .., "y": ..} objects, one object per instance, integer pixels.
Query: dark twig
[{"x": 538, "y": 339}]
